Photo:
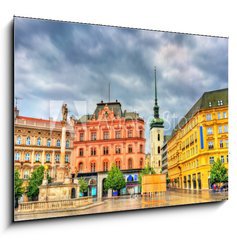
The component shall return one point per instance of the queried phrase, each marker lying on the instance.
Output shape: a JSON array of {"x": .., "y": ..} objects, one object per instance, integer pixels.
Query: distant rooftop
[{"x": 208, "y": 100}]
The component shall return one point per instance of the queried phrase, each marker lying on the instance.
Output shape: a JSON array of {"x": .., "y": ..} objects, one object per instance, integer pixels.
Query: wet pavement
[{"x": 169, "y": 198}]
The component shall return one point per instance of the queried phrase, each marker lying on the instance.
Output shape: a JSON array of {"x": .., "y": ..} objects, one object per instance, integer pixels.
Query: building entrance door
[{"x": 104, "y": 191}]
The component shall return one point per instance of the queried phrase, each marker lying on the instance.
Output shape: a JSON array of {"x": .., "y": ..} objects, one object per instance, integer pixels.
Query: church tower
[{"x": 156, "y": 136}]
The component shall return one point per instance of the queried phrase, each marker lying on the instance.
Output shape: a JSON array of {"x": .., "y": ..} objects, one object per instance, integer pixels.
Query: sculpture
[{"x": 64, "y": 112}]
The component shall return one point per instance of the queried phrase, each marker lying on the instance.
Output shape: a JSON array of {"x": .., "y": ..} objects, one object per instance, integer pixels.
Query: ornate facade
[{"x": 38, "y": 142}]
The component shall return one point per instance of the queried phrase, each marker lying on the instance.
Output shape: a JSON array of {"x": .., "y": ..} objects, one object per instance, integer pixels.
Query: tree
[
  {"x": 219, "y": 172},
  {"x": 34, "y": 182},
  {"x": 115, "y": 179},
  {"x": 18, "y": 187},
  {"x": 83, "y": 185},
  {"x": 147, "y": 170}
]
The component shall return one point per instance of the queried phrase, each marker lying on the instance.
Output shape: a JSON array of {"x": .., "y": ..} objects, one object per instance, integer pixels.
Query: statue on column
[{"x": 64, "y": 112}]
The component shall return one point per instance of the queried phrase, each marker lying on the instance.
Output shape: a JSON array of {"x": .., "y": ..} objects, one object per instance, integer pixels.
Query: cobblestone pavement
[{"x": 170, "y": 198}]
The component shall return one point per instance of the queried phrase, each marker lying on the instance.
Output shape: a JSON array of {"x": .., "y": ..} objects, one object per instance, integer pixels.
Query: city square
[{"x": 100, "y": 154}]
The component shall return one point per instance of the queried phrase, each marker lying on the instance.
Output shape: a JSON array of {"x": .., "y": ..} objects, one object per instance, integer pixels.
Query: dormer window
[
  {"x": 210, "y": 104},
  {"x": 219, "y": 102}
]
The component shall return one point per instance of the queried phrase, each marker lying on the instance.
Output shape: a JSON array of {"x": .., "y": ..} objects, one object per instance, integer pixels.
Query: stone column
[{"x": 61, "y": 169}]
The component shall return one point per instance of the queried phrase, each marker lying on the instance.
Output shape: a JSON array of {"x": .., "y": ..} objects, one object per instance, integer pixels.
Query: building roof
[
  {"x": 116, "y": 107},
  {"x": 208, "y": 100}
]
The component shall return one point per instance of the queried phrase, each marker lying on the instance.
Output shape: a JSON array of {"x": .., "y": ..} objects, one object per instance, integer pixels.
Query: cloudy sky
[{"x": 74, "y": 63}]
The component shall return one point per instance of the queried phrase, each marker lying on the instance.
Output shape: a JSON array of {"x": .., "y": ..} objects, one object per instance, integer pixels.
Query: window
[
  {"x": 105, "y": 166},
  {"x": 226, "y": 143},
  {"x": 225, "y": 128},
  {"x": 117, "y": 134},
  {"x": 106, "y": 135},
  {"x": 117, "y": 150},
  {"x": 17, "y": 156},
  {"x": 219, "y": 129},
  {"x": 81, "y": 152},
  {"x": 27, "y": 157},
  {"x": 210, "y": 104},
  {"x": 209, "y": 131},
  {"x": 57, "y": 158},
  {"x": 93, "y": 167},
  {"x": 158, "y": 137},
  {"x": 106, "y": 150},
  {"x": 81, "y": 136},
  {"x": 211, "y": 160},
  {"x": 38, "y": 141},
  {"x": 141, "y": 133},
  {"x": 117, "y": 163},
  {"x": 208, "y": 117},
  {"x": 58, "y": 143},
  {"x": 220, "y": 102},
  {"x": 37, "y": 157},
  {"x": 66, "y": 158},
  {"x": 129, "y": 148},
  {"x": 49, "y": 142},
  {"x": 158, "y": 150},
  {"x": 48, "y": 157},
  {"x": 26, "y": 174},
  {"x": 67, "y": 144},
  {"x": 222, "y": 159},
  {"x": 80, "y": 167},
  {"x": 210, "y": 145},
  {"x": 221, "y": 144},
  {"x": 93, "y": 136},
  {"x": 28, "y": 141},
  {"x": 141, "y": 149},
  {"x": 219, "y": 115},
  {"x": 224, "y": 115},
  {"x": 93, "y": 151},
  {"x": 129, "y": 163},
  {"x": 227, "y": 159},
  {"x": 141, "y": 163},
  {"x": 18, "y": 140},
  {"x": 130, "y": 133}
]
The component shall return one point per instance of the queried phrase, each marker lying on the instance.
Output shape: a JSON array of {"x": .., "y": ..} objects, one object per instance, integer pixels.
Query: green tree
[
  {"x": 115, "y": 179},
  {"x": 83, "y": 185},
  {"x": 34, "y": 182},
  {"x": 18, "y": 187},
  {"x": 219, "y": 172},
  {"x": 147, "y": 170}
]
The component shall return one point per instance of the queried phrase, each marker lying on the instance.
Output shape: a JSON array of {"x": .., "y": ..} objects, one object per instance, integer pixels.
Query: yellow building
[{"x": 199, "y": 139}]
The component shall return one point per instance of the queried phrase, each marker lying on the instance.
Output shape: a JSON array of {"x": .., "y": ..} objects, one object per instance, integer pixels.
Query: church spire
[{"x": 156, "y": 107}]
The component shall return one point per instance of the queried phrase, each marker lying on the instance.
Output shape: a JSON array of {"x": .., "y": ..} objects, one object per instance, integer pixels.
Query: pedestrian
[{"x": 214, "y": 187}]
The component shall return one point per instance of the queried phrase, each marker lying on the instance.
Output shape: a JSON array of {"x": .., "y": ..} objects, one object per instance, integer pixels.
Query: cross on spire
[{"x": 156, "y": 107}]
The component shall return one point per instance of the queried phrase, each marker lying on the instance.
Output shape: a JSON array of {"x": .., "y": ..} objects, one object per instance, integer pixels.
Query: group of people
[{"x": 219, "y": 188}]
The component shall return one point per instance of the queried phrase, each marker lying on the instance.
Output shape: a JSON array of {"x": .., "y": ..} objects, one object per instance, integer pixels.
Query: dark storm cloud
[{"x": 68, "y": 61}]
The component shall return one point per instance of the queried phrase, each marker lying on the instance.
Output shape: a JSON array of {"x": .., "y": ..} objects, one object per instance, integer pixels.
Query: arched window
[
  {"x": 49, "y": 142},
  {"x": 67, "y": 144},
  {"x": 17, "y": 156},
  {"x": 141, "y": 133},
  {"x": 80, "y": 167},
  {"x": 141, "y": 163},
  {"x": 48, "y": 157},
  {"x": 18, "y": 140},
  {"x": 58, "y": 143},
  {"x": 130, "y": 148},
  {"x": 28, "y": 141},
  {"x": 66, "y": 158},
  {"x": 37, "y": 157},
  {"x": 57, "y": 158},
  {"x": 93, "y": 167},
  {"x": 105, "y": 166},
  {"x": 39, "y": 141},
  {"x": 141, "y": 148},
  {"x": 158, "y": 137},
  {"x": 27, "y": 157},
  {"x": 26, "y": 174},
  {"x": 158, "y": 150},
  {"x": 129, "y": 163},
  {"x": 117, "y": 163}
]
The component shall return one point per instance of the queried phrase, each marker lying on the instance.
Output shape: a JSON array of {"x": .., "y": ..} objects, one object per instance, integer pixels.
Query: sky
[{"x": 56, "y": 62}]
